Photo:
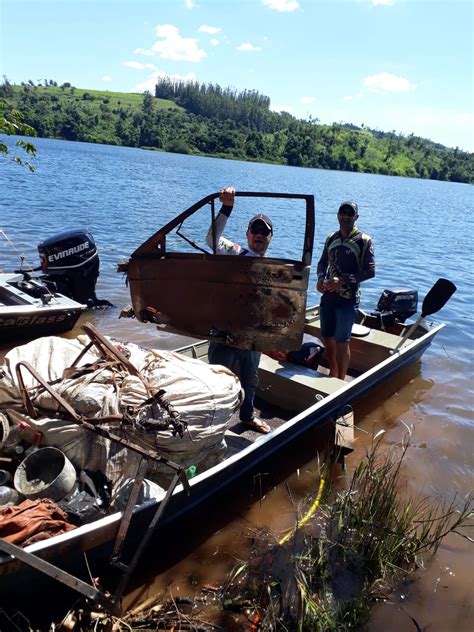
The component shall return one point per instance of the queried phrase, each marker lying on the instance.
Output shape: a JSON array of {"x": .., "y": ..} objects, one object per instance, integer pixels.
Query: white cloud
[
  {"x": 149, "y": 84},
  {"x": 384, "y": 3},
  {"x": 385, "y": 82},
  {"x": 106, "y": 78},
  {"x": 214, "y": 41},
  {"x": 348, "y": 98},
  {"x": 307, "y": 100},
  {"x": 142, "y": 51},
  {"x": 190, "y": 4},
  {"x": 212, "y": 30},
  {"x": 248, "y": 47},
  {"x": 173, "y": 46},
  {"x": 136, "y": 65},
  {"x": 282, "y": 5}
]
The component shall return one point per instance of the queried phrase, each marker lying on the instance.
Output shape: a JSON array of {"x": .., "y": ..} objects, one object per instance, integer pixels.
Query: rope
[
  {"x": 9, "y": 241},
  {"x": 308, "y": 514}
]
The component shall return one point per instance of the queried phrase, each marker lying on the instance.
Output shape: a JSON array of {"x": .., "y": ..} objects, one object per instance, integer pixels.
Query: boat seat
[
  {"x": 367, "y": 350},
  {"x": 291, "y": 386},
  {"x": 360, "y": 331}
]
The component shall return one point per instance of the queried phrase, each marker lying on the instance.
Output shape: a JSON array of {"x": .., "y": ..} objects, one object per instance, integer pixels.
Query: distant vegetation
[{"x": 193, "y": 118}]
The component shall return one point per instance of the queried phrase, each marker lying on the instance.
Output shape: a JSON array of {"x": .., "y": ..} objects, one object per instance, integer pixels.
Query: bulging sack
[{"x": 203, "y": 398}]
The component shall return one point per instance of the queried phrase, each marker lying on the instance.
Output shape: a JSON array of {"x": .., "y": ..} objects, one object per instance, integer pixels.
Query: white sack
[{"x": 205, "y": 396}]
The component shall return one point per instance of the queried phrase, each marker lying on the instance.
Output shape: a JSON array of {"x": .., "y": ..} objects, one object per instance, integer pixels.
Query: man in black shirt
[{"x": 347, "y": 260}]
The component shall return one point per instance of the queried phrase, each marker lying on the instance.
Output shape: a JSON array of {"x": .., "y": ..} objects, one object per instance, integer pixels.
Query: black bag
[
  {"x": 86, "y": 504},
  {"x": 308, "y": 355}
]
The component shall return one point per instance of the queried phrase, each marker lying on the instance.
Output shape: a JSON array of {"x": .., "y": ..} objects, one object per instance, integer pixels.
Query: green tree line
[{"x": 193, "y": 118}]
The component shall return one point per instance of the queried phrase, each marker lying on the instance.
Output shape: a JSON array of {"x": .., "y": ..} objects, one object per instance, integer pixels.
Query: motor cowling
[
  {"x": 70, "y": 265},
  {"x": 396, "y": 305}
]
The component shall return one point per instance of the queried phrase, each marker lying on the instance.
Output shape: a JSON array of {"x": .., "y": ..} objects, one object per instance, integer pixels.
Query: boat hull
[
  {"x": 314, "y": 426},
  {"x": 28, "y": 309},
  {"x": 36, "y": 323}
]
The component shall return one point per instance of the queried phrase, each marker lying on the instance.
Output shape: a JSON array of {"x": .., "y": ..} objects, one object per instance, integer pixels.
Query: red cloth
[
  {"x": 32, "y": 521},
  {"x": 277, "y": 355}
]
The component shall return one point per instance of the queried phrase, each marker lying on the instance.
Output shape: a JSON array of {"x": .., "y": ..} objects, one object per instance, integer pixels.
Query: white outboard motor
[{"x": 70, "y": 265}]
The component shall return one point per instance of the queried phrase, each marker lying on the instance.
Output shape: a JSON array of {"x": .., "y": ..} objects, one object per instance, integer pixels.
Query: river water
[{"x": 422, "y": 230}]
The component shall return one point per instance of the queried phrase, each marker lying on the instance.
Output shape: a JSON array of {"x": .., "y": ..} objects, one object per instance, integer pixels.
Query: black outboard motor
[
  {"x": 395, "y": 306},
  {"x": 70, "y": 265}
]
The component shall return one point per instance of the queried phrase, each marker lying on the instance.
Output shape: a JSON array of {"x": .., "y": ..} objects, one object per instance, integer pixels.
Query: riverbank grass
[{"x": 363, "y": 541}]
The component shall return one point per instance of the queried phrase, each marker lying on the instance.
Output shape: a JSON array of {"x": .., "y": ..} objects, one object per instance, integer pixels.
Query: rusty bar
[
  {"x": 128, "y": 512},
  {"x": 26, "y": 398},
  {"x": 213, "y": 224},
  {"x": 108, "y": 348},
  {"x": 60, "y": 575},
  {"x": 149, "y": 532}
]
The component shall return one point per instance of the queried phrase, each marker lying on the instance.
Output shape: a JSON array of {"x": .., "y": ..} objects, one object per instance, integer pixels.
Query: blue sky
[{"x": 400, "y": 65}]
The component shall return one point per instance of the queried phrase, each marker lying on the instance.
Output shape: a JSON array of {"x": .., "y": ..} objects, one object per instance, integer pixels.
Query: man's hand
[
  {"x": 226, "y": 196},
  {"x": 331, "y": 285}
]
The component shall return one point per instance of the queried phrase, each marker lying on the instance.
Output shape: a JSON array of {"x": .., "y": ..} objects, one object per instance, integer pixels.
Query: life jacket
[{"x": 358, "y": 243}]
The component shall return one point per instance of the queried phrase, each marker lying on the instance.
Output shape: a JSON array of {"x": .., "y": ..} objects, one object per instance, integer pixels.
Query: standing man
[
  {"x": 259, "y": 234},
  {"x": 347, "y": 260}
]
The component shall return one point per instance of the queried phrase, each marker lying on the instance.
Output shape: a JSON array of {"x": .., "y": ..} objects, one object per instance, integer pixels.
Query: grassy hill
[
  {"x": 207, "y": 120},
  {"x": 132, "y": 100}
]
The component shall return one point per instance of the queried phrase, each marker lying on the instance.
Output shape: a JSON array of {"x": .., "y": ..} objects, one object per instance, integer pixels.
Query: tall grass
[{"x": 364, "y": 541}]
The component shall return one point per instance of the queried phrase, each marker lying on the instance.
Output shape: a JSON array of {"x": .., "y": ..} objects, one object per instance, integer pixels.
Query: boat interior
[
  {"x": 287, "y": 389},
  {"x": 18, "y": 294},
  {"x": 12, "y": 291}
]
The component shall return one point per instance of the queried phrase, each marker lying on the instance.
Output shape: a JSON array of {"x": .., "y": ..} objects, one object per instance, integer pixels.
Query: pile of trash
[{"x": 160, "y": 401}]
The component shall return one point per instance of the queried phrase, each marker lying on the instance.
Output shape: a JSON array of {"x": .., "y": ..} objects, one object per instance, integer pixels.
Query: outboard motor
[
  {"x": 395, "y": 306},
  {"x": 70, "y": 265}
]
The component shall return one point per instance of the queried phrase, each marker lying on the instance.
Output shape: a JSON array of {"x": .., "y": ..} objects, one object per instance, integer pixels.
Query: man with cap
[
  {"x": 259, "y": 234},
  {"x": 347, "y": 260}
]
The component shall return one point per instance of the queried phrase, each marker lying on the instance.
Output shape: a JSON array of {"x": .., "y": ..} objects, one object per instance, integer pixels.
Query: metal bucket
[{"x": 45, "y": 473}]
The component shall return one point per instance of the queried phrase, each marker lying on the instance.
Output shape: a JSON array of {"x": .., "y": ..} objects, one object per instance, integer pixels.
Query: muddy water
[
  {"x": 422, "y": 230},
  {"x": 440, "y": 597}
]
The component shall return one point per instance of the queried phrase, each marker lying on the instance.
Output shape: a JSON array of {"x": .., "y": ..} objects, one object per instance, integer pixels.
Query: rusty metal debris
[
  {"x": 111, "y": 356},
  {"x": 254, "y": 303}
]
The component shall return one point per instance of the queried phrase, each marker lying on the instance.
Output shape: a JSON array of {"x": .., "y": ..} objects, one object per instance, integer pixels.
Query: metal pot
[{"x": 45, "y": 473}]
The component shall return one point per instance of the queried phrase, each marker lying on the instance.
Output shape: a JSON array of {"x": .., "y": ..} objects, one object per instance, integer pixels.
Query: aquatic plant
[{"x": 365, "y": 539}]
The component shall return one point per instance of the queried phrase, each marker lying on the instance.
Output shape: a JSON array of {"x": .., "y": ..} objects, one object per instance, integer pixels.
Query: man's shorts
[{"x": 337, "y": 319}]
